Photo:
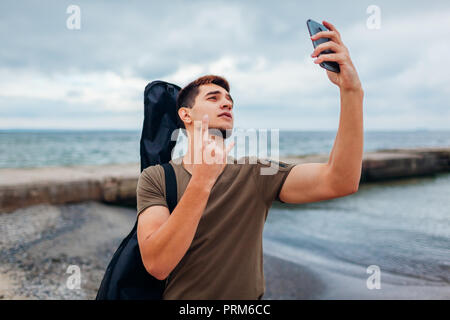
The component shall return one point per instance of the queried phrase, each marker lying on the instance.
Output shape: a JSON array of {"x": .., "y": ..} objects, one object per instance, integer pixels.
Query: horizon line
[{"x": 139, "y": 130}]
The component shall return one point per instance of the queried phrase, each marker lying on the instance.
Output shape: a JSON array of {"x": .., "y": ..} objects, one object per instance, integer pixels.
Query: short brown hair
[{"x": 186, "y": 97}]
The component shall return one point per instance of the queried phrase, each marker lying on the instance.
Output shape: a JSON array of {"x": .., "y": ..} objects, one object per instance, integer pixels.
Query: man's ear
[{"x": 184, "y": 114}]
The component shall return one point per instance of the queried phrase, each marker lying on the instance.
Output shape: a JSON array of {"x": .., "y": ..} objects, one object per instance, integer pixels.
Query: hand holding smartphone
[{"x": 315, "y": 27}]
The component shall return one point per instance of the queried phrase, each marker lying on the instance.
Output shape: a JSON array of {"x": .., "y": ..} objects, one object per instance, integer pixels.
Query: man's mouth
[{"x": 226, "y": 115}]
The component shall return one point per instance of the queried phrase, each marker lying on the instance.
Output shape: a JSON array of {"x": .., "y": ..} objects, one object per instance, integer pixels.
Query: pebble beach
[{"x": 35, "y": 260}]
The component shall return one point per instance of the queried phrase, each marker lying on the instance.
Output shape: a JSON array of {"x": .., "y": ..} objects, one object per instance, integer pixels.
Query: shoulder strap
[{"x": 171, "y": 186}]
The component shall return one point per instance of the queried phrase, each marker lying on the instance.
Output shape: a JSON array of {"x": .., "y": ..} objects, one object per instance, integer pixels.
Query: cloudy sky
[{"x": 93, "y": 77}]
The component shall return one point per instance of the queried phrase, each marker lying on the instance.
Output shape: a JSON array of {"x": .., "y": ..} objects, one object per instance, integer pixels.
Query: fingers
[
  {"x": 199, "y": 129},
  {"x": 327, "y": 34},
  {"x": 210, "y": 145},
  {"x": 337, "y": 57},
  {"x": 205, "y": 122},
  {"x": 198, "y": 142},
  {"x": 327, "y": 45},
  {"x": 205, "y": 129},
  {"x": 340, "y": 52},
  {"x": 331, "y": 27}
]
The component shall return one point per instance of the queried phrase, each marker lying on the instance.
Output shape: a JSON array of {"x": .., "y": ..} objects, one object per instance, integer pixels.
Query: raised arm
[{"x": 313, "y": 182}]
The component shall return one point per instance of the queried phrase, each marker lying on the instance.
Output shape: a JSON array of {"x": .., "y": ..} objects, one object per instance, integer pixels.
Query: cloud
[
  {"x": 106, "y": 91},
  {"x": 261, "y": 47}
]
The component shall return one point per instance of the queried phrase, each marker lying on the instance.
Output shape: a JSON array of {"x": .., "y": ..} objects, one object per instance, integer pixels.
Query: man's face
[{"x": 217, "y": 103}]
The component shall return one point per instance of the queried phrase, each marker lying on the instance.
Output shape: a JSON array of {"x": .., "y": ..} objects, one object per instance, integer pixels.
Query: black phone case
[{"x": 313, "y": 28}]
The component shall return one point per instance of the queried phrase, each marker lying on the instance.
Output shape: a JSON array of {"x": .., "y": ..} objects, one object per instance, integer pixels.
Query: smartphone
[{"x": 313, "y": 28}]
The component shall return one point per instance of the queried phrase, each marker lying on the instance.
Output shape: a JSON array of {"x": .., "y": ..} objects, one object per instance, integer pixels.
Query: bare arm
[
  {"x": 346, "y": 158},
  {"x": 165, "y": 238},
  {"x": 312, "y": 182}
]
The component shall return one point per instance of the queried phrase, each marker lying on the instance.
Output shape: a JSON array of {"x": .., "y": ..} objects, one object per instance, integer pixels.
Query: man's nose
[{"x": 226, "y": 104}]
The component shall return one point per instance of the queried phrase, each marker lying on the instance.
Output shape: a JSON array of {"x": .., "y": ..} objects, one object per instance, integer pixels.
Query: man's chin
[{"x": 225, "y": 133}]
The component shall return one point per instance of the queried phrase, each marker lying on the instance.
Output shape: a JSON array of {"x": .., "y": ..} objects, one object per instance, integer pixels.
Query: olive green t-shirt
[{"x": 225, "y": 258}]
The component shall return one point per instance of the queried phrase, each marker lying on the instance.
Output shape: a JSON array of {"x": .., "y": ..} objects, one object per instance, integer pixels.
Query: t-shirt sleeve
[
  {"x": 150, "y": 190},
  {"x": 270, "y": 176}
]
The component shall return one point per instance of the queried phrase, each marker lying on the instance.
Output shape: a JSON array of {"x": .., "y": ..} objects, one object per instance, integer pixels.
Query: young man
[{"x": 210, "y": 247}]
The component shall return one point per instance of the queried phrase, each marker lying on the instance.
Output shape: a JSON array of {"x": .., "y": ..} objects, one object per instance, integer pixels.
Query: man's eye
[{"x": 212, "y": 98}]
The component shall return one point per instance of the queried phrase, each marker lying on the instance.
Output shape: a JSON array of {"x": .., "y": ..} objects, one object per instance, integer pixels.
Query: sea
[{"x": 391, "y": 239}]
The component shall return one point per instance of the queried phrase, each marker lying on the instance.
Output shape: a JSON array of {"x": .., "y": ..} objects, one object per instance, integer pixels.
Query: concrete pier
[{"x": 23, "y": 187}]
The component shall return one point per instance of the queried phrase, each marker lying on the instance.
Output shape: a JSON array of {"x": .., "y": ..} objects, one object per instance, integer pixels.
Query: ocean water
[
  {"x": 66, "y": 148},
  {"x": 401, "y": 226}
]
